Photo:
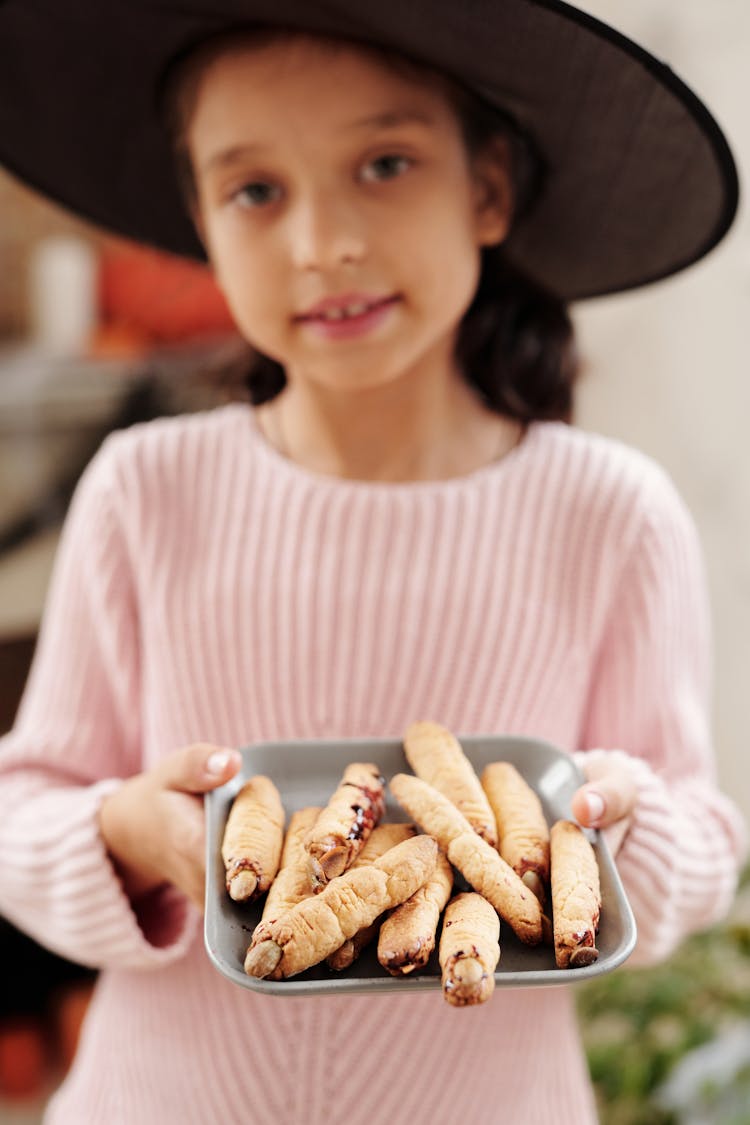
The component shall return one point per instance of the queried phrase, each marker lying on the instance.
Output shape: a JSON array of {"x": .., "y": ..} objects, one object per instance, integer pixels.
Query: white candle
[{"x": 63, "y": 294}]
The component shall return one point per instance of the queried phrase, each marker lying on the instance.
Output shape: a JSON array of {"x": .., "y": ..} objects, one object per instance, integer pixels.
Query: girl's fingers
[
  {"x": 193, "y": 885},
  {"x": 607, "y": 803},
  {"x": 198, "y": 768},
  {"x": 184, "y": 843},
  {"x": 153, "y": 826},
  {"x": 603, "y": 800},
  {"x": 615, "y": 834}
]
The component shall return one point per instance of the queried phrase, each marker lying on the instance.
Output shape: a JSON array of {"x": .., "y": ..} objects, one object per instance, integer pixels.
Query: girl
[{"x": 401, "y": 526}]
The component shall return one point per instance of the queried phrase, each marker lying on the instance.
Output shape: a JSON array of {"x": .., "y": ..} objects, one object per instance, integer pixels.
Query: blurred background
[{"x": 96, "y": 334}]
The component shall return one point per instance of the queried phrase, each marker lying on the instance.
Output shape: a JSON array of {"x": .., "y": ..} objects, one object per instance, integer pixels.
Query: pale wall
[{"x": 667, "y": 367}]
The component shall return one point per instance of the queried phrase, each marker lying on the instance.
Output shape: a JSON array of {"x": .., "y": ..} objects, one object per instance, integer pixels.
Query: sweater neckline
[{"x": 292, "y": 471}]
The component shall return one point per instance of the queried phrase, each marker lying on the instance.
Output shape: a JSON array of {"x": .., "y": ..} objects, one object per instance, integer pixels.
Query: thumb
[
  {"x": 602, "y": 802},
  {"x": 198, "y": 768}
]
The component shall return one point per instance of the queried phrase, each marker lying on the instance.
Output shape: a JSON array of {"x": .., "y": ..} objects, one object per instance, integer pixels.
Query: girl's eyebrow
[
  {"x": 388, "y": 120},
  {"x": 391, "y": 118},
  {"x": 225, "y": 157}
]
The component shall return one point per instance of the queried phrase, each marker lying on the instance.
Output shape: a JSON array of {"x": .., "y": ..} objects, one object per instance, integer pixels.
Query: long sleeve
[
  {"x": 76, "y": 734},
  {"x": 651, "y": 699}
]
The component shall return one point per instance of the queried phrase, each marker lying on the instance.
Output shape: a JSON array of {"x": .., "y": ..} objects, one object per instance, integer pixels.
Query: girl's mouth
[{"x": 343, "y": 319}]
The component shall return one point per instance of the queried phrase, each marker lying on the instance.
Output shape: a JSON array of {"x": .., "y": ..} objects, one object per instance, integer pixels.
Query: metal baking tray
[{"x": 307, "y": 772}]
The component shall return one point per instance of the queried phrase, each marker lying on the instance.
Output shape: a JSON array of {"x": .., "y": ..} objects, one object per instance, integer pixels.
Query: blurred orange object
[
  {"x": 158, "y": 297},
  {"x": 23, "y": 1058},
  {"x": 71, "y": 1011},
  {"x": 116, "y": 341}
]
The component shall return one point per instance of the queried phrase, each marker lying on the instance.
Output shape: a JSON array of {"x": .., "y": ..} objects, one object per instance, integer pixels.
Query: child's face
[{"x": 324, "y": 176}]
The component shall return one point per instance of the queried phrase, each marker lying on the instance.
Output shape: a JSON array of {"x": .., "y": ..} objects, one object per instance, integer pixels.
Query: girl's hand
[
  {"x": 153, "y": 826},
  {"x": 607, "y": 799}
]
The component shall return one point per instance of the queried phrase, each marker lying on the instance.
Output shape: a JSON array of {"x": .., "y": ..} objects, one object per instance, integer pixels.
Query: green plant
[{"x": 638, "y": 1024}]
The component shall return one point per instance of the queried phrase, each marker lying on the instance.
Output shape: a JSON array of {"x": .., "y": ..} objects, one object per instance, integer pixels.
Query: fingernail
[
  {"x": 218, "y": 762},
  {"x": 595, "y": 806}
]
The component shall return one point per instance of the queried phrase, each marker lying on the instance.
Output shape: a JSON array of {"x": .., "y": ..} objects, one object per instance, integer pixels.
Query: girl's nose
[{"x": 326, "y": 232}]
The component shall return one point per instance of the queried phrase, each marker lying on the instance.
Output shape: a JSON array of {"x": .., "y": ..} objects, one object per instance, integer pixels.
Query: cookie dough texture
[
  {"x": 478, "y": 862},
  {"x": 253, "y": 839},
  {"x": 317, "y": 926},
  {"x": 469, "y": 950},
  {"x": 383, "y": 837},
  {"x": 436, "y": 755},
  {"x": 576, "y": 896},
  {"x": 292, "y": 882},
  {"x": 408, "y": 935},
  {"x": 522, "y": 829},
  {"x": 345, "y": 824}
]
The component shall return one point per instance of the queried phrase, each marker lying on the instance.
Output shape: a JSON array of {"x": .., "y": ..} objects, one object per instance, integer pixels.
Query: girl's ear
[{"x": 493, "y": 200}]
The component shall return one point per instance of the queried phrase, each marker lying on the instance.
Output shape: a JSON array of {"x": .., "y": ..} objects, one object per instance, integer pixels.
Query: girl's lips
[{"x": 346, "y": 327}]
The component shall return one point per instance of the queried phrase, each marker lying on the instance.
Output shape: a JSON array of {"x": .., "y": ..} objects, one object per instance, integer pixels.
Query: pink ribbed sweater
[{"x": 207, "y": 589}]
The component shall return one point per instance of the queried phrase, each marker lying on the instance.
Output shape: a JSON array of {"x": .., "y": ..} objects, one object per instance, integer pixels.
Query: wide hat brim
[{"x": 639, "y": 180}]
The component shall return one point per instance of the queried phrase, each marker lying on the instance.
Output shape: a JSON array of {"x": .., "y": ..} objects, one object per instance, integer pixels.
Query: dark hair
[{"x": 515, "y": 344}]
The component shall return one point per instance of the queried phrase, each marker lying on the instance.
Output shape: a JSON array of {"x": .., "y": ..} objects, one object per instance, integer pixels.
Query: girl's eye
[
  {"x": 256, "y": 194},
  {"x": 386, "y": 167}
]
